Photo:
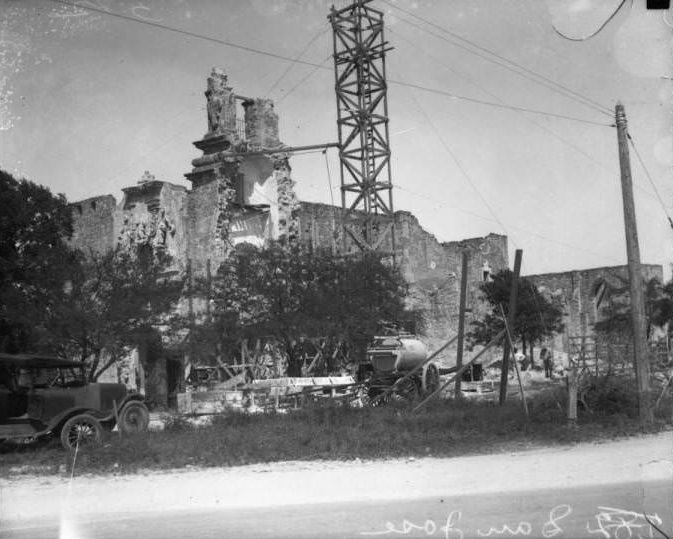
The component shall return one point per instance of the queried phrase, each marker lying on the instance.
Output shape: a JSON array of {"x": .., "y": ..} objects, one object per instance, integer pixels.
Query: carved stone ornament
[
  {"x": 153, "y": 231},
  {"x": 221, "y": 104},
  {"x": 146, "y": 177}
]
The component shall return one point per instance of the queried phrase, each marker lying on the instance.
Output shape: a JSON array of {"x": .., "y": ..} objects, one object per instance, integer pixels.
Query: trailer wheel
[
  {"x": 407, "y": 390},
  {"x": 430, "y": 379},
  {"x": 372, "y": 396}
]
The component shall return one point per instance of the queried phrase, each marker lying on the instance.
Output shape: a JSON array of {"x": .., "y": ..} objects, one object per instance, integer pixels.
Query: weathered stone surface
[
  {"x": 261, "y": 124},
  {"x": 288, "y": 204},
  {"x": 152, "y": 213},
  {"x": 221, "y": 105},
  {"x": 239, "y": 196},
  {"x": 579, "y": 293},
  {"x": 94, "y": 223},
  {"x": 431, "y": 268}
]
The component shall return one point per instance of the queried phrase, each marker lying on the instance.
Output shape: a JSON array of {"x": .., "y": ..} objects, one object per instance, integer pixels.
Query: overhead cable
[
  {"x": 289, "y": 67},
  {"x": 649, "y": 177},
  {"x": 316, "y": 66},
  {"x": 600, "y": 28},
  {"x": 525, "y": 72},
  {"x": 526, "y": 231},
  {"x": 224, "y": 42},
  {"x": 500, "y": 105},
  {"x": 470, "y": 80},
  {"x": 460, "y": 166}
]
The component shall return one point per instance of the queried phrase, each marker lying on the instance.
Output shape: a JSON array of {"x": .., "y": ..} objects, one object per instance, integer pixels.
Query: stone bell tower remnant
[{"x": 242, "y": 190}]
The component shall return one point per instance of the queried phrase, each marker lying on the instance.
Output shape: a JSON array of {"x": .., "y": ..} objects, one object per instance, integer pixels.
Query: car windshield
[{"x": 50, "y": 377}]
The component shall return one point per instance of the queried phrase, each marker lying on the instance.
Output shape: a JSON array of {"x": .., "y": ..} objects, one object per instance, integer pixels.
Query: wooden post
[
  {"x": 572, "y": 395},
  {"x": 511, "y": 317},
  {"x": 460, "y": 371},
  {"x": 461, "y": 320},
  {"x": 209, "y": 282},
  {"x": 638, "y": 320},
  {"x": 190, "y": 310},
  {"x": 516, "y": 365}
]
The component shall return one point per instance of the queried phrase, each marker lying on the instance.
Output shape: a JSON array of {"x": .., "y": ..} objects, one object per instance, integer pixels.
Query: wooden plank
[{"x": 460, "y": 371}]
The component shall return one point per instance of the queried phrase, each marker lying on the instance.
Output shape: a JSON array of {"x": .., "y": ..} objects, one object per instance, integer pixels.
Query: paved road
[{"x": 588, "y": 511}]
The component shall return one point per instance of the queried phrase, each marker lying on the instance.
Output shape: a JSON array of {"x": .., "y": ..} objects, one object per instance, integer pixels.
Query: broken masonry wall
[
  {"x": 94, "y": 224},
  {"x": 288, "y": 203},
  {"x": 152, "y": 214},
  {"x": 578, "y": 292},
  {"x": 431, "y": 268},
  {"x": 259, "y": 182},
  {"x": 202, "y": 217},
  {"x": 261, "y": 124},
  {"x": 488, "y": 255},
  {"x": 210, "y": 210},
  {"x": 319, "y": 225}
]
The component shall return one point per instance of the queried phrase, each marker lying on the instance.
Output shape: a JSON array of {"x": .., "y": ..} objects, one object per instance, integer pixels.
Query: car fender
[
  {"x": 56, "y": 423},
  {"x": 130, "y": 397}
]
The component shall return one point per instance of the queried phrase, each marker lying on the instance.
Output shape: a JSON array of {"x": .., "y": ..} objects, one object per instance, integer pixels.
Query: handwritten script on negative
[{"x": 607, "y": 522}]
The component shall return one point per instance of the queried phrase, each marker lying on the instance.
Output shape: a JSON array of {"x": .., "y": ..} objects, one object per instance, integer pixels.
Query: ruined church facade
[{"x": 242, "y": 191}]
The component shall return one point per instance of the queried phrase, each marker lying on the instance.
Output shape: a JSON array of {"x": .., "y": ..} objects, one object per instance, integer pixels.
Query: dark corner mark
[{"x": 658, "y": 4}]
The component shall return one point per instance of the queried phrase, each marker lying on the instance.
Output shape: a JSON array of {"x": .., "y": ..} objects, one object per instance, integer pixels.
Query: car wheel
[
  {"x": 134, "y": 417},
  {"x": 81, "y": 430}
]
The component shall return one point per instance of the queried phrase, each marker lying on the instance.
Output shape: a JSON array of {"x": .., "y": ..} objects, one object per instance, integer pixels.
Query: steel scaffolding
[{"x": 362, "y": 120}]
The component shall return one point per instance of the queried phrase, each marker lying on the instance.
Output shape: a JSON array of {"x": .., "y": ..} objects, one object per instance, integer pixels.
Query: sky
[{"x": 90, "y": 100}]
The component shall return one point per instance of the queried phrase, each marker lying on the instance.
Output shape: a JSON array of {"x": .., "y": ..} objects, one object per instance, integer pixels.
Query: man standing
[{"x": 545, "y": 356}]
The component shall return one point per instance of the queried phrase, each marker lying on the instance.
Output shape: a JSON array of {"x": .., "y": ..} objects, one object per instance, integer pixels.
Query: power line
[
  {"x": 499, "y": 105},
  {"x": 559, "y": 88},
  {"x": 460, "y": 167},
  {"x": 224, "y": 42},
  {"x": 305, "y": 78},
  {"x": 600, "y": 28},
  {"x": 305, "y": 62},
  {"x": 540, "y": 126},
  {"x": 649, "y": 177},
  {"x": 526, "y": 231},
  {"x": 289, "y": 67},
  {"x": 329, "y": 177},
  {"x": 487, "y": 92}
]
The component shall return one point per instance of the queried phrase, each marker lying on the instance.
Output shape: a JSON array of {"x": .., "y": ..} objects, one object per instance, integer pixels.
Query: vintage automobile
[{"x": 43, "y": 395}]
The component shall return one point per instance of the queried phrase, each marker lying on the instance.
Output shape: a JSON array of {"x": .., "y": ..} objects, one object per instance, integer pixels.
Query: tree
[
  {"x": 35, "y": 259},
  {"x": 537, "y": 318},
  {"x": 114, "y": 301},
  {"x": 289, "y": 292},
  {"x": 615, "y": 311}
]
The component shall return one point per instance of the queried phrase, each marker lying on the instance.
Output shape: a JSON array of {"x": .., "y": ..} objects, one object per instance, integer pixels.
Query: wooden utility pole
[
  {"x": 638, "y": 320},
  {"x": 511, "y": 316},
  {"x": 461, "y": 319}
]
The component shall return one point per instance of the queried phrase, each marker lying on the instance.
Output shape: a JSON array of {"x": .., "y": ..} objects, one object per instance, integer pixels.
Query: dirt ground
[{"x": 645, "y": 458}]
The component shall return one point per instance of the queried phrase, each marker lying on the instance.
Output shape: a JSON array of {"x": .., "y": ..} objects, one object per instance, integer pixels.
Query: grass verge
[{"x": 334, "y": 432}]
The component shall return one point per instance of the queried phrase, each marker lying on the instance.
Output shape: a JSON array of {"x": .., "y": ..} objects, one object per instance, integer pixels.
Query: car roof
[{"x": 37, "y": 361}]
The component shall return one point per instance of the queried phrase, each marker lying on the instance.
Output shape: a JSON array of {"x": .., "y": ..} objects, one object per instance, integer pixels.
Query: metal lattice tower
[{"x": 362, "y": 120}]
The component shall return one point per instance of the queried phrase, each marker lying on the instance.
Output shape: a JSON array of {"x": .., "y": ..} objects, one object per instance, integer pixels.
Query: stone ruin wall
[
  {"x": 576, "y": 292},
  {"x": 230, "y": 189},
  {"x": 431, "y": 268},
  {"x": 94, "y": 223}
]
